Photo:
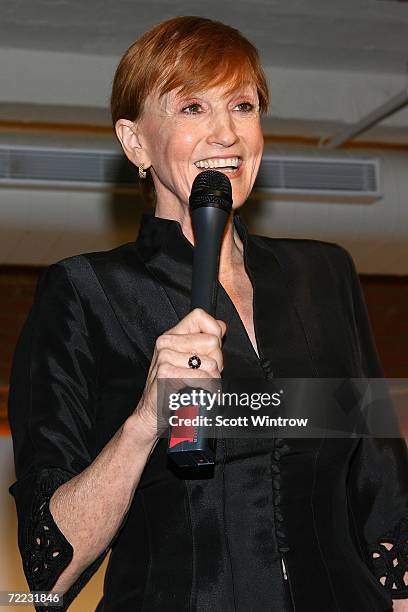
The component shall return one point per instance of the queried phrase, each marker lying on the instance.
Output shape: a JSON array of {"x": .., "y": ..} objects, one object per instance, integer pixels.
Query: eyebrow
[{"x": 201, "y": 94}]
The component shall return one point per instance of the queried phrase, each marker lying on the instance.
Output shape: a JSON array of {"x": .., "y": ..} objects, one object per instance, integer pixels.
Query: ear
[{"x": 129, "y": 136}]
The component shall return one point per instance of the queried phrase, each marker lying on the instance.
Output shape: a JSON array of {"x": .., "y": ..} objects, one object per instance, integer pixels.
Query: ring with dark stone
[{"x": 194, "y": 362}]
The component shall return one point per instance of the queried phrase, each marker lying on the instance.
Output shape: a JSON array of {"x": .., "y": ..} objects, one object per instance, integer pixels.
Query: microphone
[{"x": 210, "y": 206}]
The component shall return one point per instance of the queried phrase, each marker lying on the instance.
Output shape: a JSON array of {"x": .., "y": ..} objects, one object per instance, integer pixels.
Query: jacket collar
[
  {"x": 282, "y": 342},
  {"x": 164, "y": 237},
  {"x": 168, "y": 256}
]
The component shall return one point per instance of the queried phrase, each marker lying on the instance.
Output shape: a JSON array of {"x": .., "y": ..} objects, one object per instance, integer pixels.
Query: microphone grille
[{"x": 210, "y": 187}]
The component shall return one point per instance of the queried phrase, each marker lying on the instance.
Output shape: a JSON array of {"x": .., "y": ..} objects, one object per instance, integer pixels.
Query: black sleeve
[
  {"x": 52, "y": 404},
  {"x": 378, "y": 478}
]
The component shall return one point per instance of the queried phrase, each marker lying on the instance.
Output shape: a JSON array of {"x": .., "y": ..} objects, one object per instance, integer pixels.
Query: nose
[{"x": 222, "y": 130}]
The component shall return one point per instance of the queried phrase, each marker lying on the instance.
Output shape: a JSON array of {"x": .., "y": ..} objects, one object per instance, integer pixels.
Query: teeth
[{"x": 218, "y": 163}]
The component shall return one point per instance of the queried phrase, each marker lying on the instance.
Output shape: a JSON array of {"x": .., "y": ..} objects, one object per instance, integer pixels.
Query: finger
[
  {"x": 198, "y": 320},
  {"x": 223, "y": 326},
  {"x": 212, "y": 364},
  {"x": 200, "y": 343},
  {"x": 168, "y": 370}
]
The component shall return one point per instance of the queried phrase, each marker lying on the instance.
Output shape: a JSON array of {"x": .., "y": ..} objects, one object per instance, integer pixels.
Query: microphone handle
[
  {"x": 195, "y": 450},
  {"x": 209, "y": 224}
]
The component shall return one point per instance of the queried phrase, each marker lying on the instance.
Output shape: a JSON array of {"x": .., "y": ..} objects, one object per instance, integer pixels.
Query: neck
[{"x": 232, "y": 249}]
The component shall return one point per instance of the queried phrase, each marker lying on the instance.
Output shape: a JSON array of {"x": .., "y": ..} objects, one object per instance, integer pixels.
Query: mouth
[{"x": 227, "y": 165}]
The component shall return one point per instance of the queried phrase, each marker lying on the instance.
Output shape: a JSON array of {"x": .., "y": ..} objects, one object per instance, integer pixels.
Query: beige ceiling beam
[{"x": 393, "y": 105}]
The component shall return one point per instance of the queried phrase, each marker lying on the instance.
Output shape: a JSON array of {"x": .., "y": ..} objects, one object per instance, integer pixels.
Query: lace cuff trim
[
  {"x": 46, "y": 551},
  {"x": 389, "y": 559}
]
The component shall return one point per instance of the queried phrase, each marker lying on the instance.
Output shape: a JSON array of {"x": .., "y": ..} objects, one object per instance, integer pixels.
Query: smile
[{"x": 227, "y": 164}]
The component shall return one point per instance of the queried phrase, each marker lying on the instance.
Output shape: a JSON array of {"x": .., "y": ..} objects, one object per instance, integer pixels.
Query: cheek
[
  {"x": 257, "y": 146},
  {"x": 172, "y": 155},
  {"x": 189, "y": 138},
  {"x": 253, "y": 141},
  {"x": 258, "y": 141},
  {"x": 177, "y": 142},
  {"x": 182, "y": 145},
  {"x": 174, "y": 158}
]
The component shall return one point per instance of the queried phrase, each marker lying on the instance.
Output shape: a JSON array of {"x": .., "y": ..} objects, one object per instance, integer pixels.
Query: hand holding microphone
[{"x": 197, "y": 333}]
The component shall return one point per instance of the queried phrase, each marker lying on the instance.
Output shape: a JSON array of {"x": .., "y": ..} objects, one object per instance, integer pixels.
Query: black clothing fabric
[{"x": 284, "y": 524}]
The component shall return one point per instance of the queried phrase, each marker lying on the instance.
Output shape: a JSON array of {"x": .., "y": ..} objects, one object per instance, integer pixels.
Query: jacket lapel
[
  {"x": 140, "y": 304},
  {"x": 281, "y": 333}
]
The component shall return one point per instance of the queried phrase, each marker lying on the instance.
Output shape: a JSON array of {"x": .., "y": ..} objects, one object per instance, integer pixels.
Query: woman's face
[{"x": 184, "y": 135}]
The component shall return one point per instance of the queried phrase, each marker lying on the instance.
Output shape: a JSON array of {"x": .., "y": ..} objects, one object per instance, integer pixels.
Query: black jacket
[{"x": 318, "y": 508}]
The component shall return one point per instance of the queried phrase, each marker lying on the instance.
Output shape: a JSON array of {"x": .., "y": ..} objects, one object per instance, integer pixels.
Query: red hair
[{"x": 192, "y": 53}]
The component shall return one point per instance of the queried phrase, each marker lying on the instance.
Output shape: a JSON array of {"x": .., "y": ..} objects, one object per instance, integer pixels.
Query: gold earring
[{"x": 142, "y": 173}]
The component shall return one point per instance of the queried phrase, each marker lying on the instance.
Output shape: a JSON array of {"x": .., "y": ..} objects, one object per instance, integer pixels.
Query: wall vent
[
  {"x": 329, "y": 177},
  {"x": 65, "y": 167}
]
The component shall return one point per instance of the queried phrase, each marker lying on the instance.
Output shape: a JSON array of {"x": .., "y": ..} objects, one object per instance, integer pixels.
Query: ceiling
[{"x": 356, "y": 35}]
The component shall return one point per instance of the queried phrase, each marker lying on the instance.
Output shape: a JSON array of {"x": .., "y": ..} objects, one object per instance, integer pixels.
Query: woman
[{"x": 285, "y": 525}]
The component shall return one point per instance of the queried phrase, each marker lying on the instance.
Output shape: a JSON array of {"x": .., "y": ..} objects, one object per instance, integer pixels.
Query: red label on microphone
[{"x": 182, "y": 430}]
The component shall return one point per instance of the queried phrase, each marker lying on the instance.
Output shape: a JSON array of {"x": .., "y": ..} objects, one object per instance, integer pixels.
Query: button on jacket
[{"x": 284, "y": 524}]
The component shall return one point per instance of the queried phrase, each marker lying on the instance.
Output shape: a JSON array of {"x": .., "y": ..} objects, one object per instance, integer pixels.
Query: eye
[
  {"x": 192, "y": 109},
  {"x": 245, "y": 107}
]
